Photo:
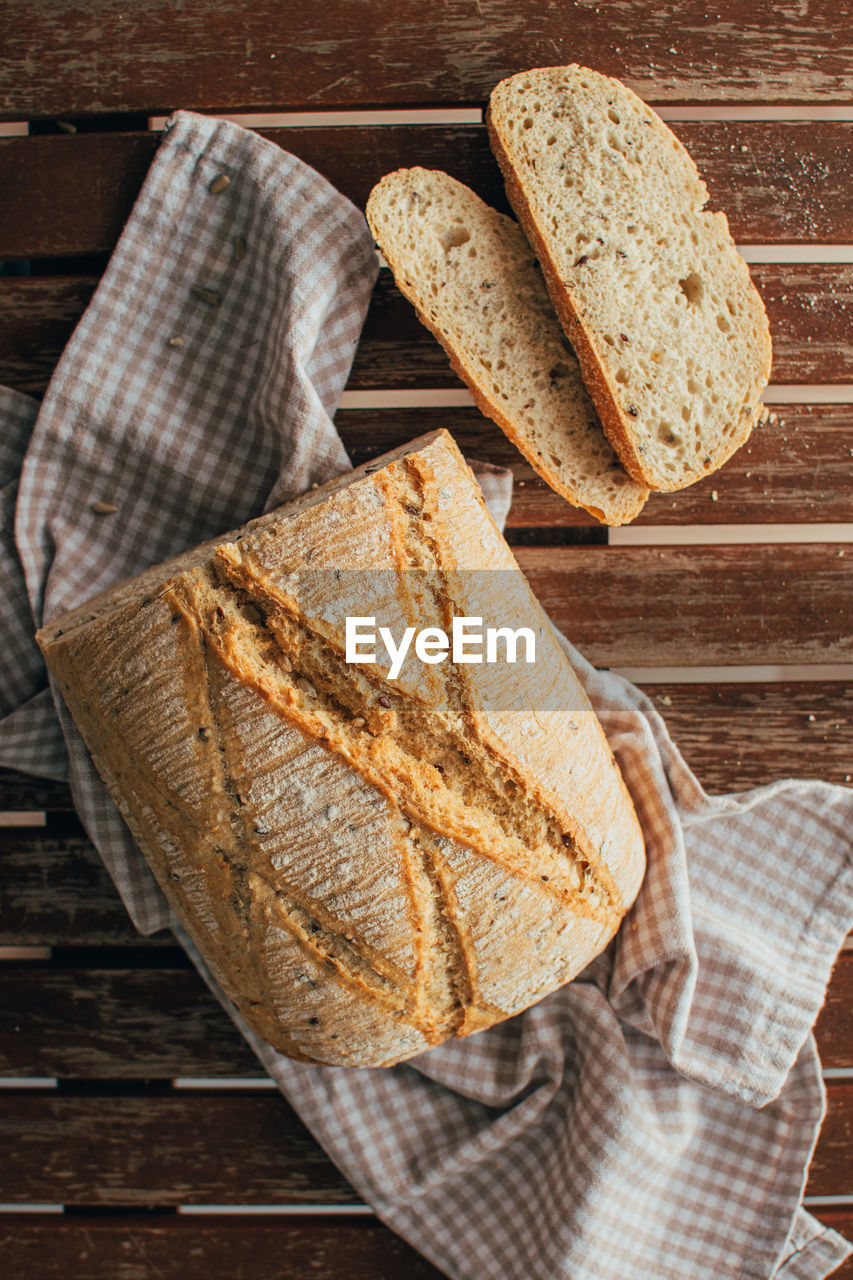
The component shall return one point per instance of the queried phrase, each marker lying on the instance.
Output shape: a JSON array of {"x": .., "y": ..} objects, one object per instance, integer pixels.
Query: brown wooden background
[{"x": 96, "y": 1024}]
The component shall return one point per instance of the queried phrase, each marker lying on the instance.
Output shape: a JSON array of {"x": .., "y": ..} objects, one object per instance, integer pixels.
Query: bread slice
[
  {"x": 473, "y": 280},
  {"x": 671, "y": 334}
]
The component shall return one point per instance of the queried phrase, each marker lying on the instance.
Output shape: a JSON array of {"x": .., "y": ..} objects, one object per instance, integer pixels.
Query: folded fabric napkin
[{"x": 656, "y": 1117}]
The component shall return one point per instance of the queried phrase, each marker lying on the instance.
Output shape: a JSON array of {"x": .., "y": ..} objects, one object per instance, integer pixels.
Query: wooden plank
[
  {"x": 831, "y": 1170},
  {"x": 809, "y": 306},
  {"x": 159, "y": 1023},
  {"x": 55, "y": 890},
  {"x": 778, "y": 181},
  {"x": 162, "y": 1148},
  {"x": 167, "y": 1149},
  {"x": 219, "y": 54},
  {"x": 733, "y": 736},
  {"x": 795, "y": 469},
  {"x": 834, "y": 1030},
  {"x": 25, "y": 791},
  {"x": 697, "y": 606},
  {"x": 242, "y": 1247},
  {"x": 118, "y": 1024},
  {"x": 736, "y": 736}
]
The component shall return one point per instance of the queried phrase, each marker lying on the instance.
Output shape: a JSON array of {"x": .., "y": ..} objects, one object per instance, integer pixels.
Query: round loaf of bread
[{"x": 369, "y": 863}]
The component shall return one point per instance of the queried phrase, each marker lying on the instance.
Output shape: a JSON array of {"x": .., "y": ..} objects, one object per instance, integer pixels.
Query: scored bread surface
[
  {"x": 473, "y": 279},
  {"x": 670, "y": 332},
  {"x": 367, "y": 865}
]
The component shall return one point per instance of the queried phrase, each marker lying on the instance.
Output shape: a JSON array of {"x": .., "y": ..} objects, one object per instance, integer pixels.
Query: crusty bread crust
[
  {"x": 562, "y": 440},
  {"x": 596, "y": 362},
  {"x": 368, "y": 866}
]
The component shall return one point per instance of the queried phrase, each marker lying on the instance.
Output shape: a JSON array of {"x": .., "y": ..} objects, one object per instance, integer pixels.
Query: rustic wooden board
[
  {"x": 810, "y": 307},
  {"x": 166, "y": 1148},
  {"x": 795, "y": 469},
  {"x": 159, "y": 1023},
  {"x": 218, "y": 54},
  {"x": 834, "y": 1030},
  {"x": 694, "y": 606},
  {"x": 748, "y": 166},
  {"x": 24, "y": 791},
  {"x": 122, "y": 1024},
  {"x": 171, "y": 1247},
  {"x": 735, "y": 736},
  {"x": 242, "y": 1247},
  {"x": 54, "y": 889},
  {"x": 831, "y": 1169}
]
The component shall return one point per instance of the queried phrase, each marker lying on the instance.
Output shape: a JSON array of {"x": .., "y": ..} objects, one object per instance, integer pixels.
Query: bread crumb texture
[
  {"x": 474, "y": 281},
  {"x": 671, "y": 334},
  {"x": 368, "y": 866}
]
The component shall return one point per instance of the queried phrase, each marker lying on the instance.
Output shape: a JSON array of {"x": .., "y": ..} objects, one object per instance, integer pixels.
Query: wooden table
[{"x": 116, "y": 1119}]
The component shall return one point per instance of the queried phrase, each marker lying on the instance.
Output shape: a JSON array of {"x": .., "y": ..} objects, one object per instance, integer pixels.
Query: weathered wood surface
[
  {"x": 225, "y": 1147},
  {"x": 748, "y": 166},
  {"x": 240, "y": 1247},
  {"x": 834, "y": 1030},
  {"x": 733, "y": 736},
  {"x": 810, "y": 307},
  {"x": 117, "y": 1024},
  {"x": 170, "y": 1247},
  {"x": 831, "y": 1170},
  {"x": 164, "y": 1148},
  {"x": 223, "y": 54},
  {"x": 736, "y": 736},
  {"x": 54, "y": 890},
  {"x": 695, "y": 606},
  {"x": 161, "y": 1023},
  {"x": 795, "y": 469}
]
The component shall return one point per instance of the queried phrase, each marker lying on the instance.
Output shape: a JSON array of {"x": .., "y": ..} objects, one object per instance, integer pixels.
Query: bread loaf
[
  {"x": 473, "y": 279},
  {"x": 670, "y": 332},
  {"x": 368, "y": 865}
]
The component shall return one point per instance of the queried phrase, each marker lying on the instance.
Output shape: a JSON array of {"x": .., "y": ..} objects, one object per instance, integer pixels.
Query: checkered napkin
[{"x": 655, "y": 1118}]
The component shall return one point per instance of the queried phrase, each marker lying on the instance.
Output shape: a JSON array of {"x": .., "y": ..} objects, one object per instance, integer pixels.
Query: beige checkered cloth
[{"x": 654, "y": 1119}]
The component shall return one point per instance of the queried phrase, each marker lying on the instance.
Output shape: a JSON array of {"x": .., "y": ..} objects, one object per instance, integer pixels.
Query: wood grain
[
  {"x": 659, "y": 606},
  {"x": 778, "y": 181},
  {"x": 242, "y": 1247},
  {"x": 810, "y": 307},
  {"x": 209, "y": 1147},
  {"x": 736, "y": 736},
  {"x": 831, "y": 1170},
  {"x": 795, "y": 469},
  {"x": 53, "y": 885},
  {"x": 221, "y": 54},
  {"x": 167, "y": 1149},
  {"x": 834, "y": 1029},
  {"x": 159, "y": 1023},
  {"x": 117, "y": 1023}
]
